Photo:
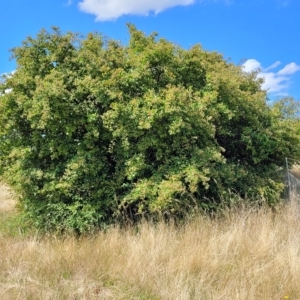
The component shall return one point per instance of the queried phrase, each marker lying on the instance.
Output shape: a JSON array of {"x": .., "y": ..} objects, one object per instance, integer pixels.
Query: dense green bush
[{"x": 93, "y": 131}]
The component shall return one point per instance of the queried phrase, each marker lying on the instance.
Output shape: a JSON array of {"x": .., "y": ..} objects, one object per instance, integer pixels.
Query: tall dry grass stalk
[{"x": 245, "y": 254}]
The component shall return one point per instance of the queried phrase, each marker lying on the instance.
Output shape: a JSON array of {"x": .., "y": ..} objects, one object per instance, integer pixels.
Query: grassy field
[{"x": 243, "y": 254}]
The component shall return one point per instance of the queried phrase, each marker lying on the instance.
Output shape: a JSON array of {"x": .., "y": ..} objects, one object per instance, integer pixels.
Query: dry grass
[
  {"x": 295, "y": 171},
  {"x": 244, "y": 254},
  {"x": 7, "y": 201}
]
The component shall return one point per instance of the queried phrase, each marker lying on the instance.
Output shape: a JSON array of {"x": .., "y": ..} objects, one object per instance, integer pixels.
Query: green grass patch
[{"x": 14, "y": 224}]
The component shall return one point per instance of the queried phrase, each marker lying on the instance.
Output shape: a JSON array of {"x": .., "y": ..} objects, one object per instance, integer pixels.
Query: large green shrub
[{"x": 92, "y": 131}]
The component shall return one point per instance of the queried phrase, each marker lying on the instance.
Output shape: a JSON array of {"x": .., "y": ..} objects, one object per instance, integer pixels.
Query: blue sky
[{"x": 260, "y": 34}]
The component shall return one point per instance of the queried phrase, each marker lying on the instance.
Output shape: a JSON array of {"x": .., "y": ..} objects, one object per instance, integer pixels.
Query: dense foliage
[{"x": 93, "y": 131}]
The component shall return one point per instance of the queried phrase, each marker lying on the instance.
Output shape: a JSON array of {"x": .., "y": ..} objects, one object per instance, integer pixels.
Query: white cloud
[
  {"x": 275, "y": 82},
  {"x": 251, "y": 65},
  {"x": 3, "y": 74},
  {"x": 7, "y": 91},
  {"x": 273, "y": 66},
  {"x": 9, "y": 74},
  {"x": 283, "y": 3},
  {"x": 113, "y": 9},
  {"x": 289, "y": 69},
  {"x": 6, "y": 75}
]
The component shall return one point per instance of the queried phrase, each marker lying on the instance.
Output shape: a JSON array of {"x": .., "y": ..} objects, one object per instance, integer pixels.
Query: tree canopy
[{"x": 93, "y": 131}]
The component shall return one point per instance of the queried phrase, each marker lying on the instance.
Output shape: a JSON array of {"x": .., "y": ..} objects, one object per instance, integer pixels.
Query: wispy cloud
[
  {"x": 289, "y": 69},
  {"x": 283, "y": 3},
  {"x": 67, "y": 3},
  {"x": 276, "y": 82},
  {"x": 112, "y": 9}
]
